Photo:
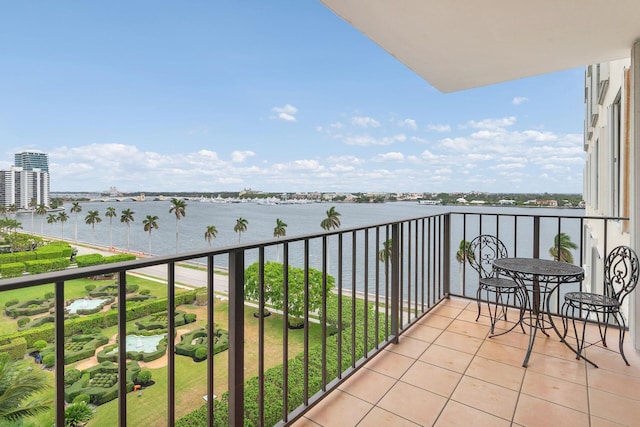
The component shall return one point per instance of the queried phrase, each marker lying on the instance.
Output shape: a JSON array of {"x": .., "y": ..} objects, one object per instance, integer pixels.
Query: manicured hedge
[
  {"x": 119, "y": 258},
  {"x": 29, "y": 308},
  {"x": 103, "y": 355},
  {"x": 192, "y": 341},
  {"x": 80, "y": 347},
  {"x": 273, "y": 387},
  {"x": 100, "y": 320},
  {"x": 89, "y": 260},
  {"x": 46, "y": 265},
  {"x": 159, "y": 321},
  {"x": 16, "y": 348},
  {"x": 12, "y": 269},
  {"x": 104, "y": 388}
]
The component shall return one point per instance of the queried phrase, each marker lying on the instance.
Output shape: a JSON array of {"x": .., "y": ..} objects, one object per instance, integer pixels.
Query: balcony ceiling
[{"x": 462, "y": 44}]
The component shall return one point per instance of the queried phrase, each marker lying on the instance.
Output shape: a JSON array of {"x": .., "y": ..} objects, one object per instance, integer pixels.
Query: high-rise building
[
  {"x": 26, "y": 184},
  {"x": 30, "y": 160}
]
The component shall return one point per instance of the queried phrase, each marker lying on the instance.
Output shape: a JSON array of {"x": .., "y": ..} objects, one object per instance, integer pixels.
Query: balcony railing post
[
  {"x": 236, "y": 337},
  {"x": 59, "y": 360},
  {"x": 536, "y": 236},
  {"x": 446, "y": 261},
  {"x": 395, "y": 280}
]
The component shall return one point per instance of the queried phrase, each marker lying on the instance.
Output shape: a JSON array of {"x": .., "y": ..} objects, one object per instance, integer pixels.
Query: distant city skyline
[{"x": 280, "y": 96}]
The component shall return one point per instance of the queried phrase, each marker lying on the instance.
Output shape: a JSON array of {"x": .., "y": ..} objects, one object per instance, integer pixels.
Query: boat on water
[
  {"x": 29, "y": 211},
  {"x": 430, "y": 202}
]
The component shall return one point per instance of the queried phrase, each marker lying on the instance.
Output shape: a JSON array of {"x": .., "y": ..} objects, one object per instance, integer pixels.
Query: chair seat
[
  {"x": 591, "y": 299},
  {"x": 499, "y": 283}
]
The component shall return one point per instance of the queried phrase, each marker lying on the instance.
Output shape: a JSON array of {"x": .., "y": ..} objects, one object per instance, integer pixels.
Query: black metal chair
[
  {"x": 483, "y": 250},
  {"x": 620, "y": 279}
]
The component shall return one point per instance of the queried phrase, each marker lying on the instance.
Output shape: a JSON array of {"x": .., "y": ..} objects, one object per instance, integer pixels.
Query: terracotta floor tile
[
  {"x": 435, "y": 321},
  {"x": 556, "y": 390},
  {"x": 611, "y": 360},
  {"x": 457, "y": 302},
  {"x": 446, "y": 358},
  {"x": 533, "y": 412},
  {"x": 514, "y": 338},
  {"x": 599, "y": 422},
  {"x": 459, "y": 342},
  {"x": 496, "y": 373},
  {"x": 305, "y": 422},
  {"x": 487, "y": 397},
  {"x": 470, "y": 315},
  {"x": 413, "y": 403},
  {"x": 409, "y": 346},
  {"x": 502, "y": 353},
  {"x": 614, "y": 382},
  {"x": 571, "y": 370},
  {"x": 447, "y": 311},
  {"x": 433, "y": 378},
  {"x": 468, "y": 328},
  {"x": 423, "y": 333},
  {"x": 614, "y": 407},
  {"x": 368, "y": 385},
  {"x": 391, "y": 364},
  {"x": 457, "y": 414},
  {"x": 339, "y": 409},
  {"x": 378, "y": 417}
]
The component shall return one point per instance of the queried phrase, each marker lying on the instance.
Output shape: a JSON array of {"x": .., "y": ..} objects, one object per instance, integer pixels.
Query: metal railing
[{"x": 386, "y": 277}]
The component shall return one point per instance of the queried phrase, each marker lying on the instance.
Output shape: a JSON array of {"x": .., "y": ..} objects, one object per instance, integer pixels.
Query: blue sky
[{"x": 275, "y": 96}]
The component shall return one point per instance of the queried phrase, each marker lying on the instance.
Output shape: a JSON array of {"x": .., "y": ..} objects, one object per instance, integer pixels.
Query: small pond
[
  {"x": 84, "y": 304},
  {"x": 143, "y": 344}
]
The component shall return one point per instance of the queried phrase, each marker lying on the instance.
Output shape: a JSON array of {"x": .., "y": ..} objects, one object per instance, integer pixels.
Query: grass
[{"x": 150, "y": 409}]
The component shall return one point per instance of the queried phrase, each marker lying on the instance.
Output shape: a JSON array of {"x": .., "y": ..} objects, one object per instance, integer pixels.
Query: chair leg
[
  {"x": 622, "y": 327},
  {"x": 478, "y": 295}
]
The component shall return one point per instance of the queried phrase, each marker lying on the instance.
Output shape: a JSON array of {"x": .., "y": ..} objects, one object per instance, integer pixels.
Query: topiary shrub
[
  {"x": 144, "y": 376},
  {"x": 200, "y": 354},
  {"x": 90, "y": 287},
  {"x": 144, "y": 292},
  {"x": 72, "y": 375},
  {"x": 40, "y": 345},
  {"x": 23, "y": 321},
  {"x": 49, "y": 295},
  {"x": 82, "y": 398},
  {"x": 49, "y": 360},
  {"x": 11, "y": 302},
  {"x": 132, "y": 288}
]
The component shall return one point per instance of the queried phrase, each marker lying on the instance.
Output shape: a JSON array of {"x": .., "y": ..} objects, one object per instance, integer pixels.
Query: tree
[
  {"x": 52, "y": 219},
  {"x": 92, "y": 218},
  {"x": 149, "y": 224},
  {"x": 561, "y": 249},
  {"x": 464, "y": 254},
  {"x": 17, "y": 386},
  {"x": 110, "y": 213},
  {"x": 127, "y": 218},
  {"x": 77, "y": 414},
  {"x": 279, "y": 231},
  {"x": 211, "y": 233},
  {"x": 76, "y": 208},
  {"x": 385, "y": 253},
  {"x": 240, "y": 227},
  {"x": 32, "y": 208},
  {"x": 41, "y": 210},
  {"x": 179, "y": 208},
  {"x": 274, "y": 288},
  {"x": 332, "y": 220},
  {"x": 62, "y": 218},
  {"x": 3, "y": 210}
]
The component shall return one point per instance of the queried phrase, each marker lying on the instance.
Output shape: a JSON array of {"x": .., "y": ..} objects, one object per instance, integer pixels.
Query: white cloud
[
  {"x": 392, "y": 155},
  {"x": 426, "y": 154},
  {"x": 286, "y": 113},
  {"x": 365, "y": 140},
  {"x": 517, "y": 100},
  {"x": 241, "y": 156},
  {"x": 410, "y": 123},
  {"x": 492, "y": 123},
  {"x": 439, "y": 128},
  {"x": 365, "y": 122}
]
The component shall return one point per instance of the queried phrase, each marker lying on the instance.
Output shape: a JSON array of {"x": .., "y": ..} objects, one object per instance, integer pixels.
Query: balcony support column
[
  {"x": 634, "y": 121},
  {"x": 59, "y": 352},
  {"x": 396, "y": 304},
  {"x": 236, "y": 337}
]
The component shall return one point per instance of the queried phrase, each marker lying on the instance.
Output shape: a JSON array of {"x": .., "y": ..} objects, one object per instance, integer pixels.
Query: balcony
[{"x": 405, "y": 349}]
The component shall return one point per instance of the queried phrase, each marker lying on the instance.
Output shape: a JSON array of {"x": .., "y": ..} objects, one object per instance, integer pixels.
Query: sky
[{"x": 165, "y": 96}]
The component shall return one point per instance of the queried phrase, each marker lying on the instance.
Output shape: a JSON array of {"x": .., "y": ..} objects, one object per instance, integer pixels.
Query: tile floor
[{"x": 446, "y": 372}]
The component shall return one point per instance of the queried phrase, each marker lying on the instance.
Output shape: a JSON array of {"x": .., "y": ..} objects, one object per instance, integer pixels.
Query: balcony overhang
[{"x": 461, "y": 44}]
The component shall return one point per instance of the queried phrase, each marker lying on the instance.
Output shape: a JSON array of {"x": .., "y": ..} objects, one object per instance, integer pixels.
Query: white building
[{"x": 26, "y": 186}]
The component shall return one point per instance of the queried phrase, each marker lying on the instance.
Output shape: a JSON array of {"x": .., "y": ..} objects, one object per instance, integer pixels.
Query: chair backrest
[
  {"x": 620, "y": 272},
  {"x": 483, "y": 250}
]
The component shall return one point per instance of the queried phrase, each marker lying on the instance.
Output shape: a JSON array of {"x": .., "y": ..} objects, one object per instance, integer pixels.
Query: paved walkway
[{"x": 186, "y": 277}]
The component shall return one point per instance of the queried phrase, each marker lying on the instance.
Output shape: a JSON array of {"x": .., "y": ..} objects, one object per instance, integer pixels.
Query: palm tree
[
  {"x": 561, "y": 249},
  {"x": 62, "y": 217},
  {"x": 211, "y": 233},
  {"x": 41, "y": 210},
  {"x": 465, "y": 253},
  {"x": 17, "y": 386},
  {"x": 32, "y": 205},
  {"x": 110, "y": 213},
  {"x": 385, "y": 253},
  {"x": 279, "y": 231},
  {"x": 76, "y": 208},
  {"x": 149, "y": 223},
  {"x": 127, "y": 218},
  {"x": 52, "y": 219},
  {"x": 3, "y": 210},
  {"x": 92, "y": 218},
  {"x": 332, "y": 220},
  {"x": 178, "y": 207},
  {"x": 240, "y": 227}
]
